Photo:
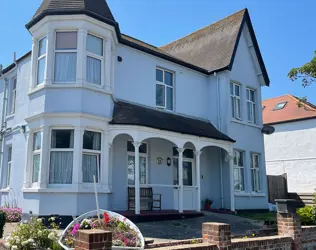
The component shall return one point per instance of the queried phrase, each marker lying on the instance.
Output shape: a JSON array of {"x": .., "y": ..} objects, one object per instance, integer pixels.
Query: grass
[{"x": 263, "y": 216}]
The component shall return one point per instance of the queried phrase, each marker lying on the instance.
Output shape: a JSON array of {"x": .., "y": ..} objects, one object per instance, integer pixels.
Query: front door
[{"x": 188, "y": 184}]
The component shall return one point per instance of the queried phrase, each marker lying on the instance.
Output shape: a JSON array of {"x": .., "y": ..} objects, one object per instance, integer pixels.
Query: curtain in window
[
  {"x": 65, "y": 67},
  {"x": 36, "y": 165},
  {"x": 131, "y": 170},
  {"x": 61, "y": 165},
  {"x": 93, "y": 70},
  {"x": 41, "y": 70},
  {"x": 96, "y": 141},
  {"x": 90, "y": 168}
]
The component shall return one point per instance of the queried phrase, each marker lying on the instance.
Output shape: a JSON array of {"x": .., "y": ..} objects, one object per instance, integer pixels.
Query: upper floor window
[
  {"x": 66, "y": 57},
  {"x": 235, "y": 100},
  {"x": 251, "y": 106},
  {"x": 13, "y": 95},
  {"x": 255, "y": 172},
  {"x": 164, "y": 89},
  {"x": 37, "y": 141},
  {"x": 41, "y": 61},
  {"x": 94, "y": 59},
  {"x": 239, "y": 182}
]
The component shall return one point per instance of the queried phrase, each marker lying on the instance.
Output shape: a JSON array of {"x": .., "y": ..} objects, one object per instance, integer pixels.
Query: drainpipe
[{"x": 219, "y": 121}]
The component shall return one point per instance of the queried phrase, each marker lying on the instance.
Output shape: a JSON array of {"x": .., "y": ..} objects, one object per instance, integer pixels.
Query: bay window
[
  {"x": 66, "y": 57},
  {"x": 94, "y": 59},
  {"x": 164, "y": 89},
  {"x": 37, "y": 140},
  {"x": 251, "y": 106},
  {"x": 41, "y": 61},
  {"x": 239, "y": 182},
  {"x": 91, "y": 157},
  {"x": 235, "y": 100},
  {"x": 131, "y": 163},
  {"x": 255, "y": 172},
  {"x": 61, "y": 156}
]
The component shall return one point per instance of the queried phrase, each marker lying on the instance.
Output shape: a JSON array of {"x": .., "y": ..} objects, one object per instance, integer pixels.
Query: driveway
[{"x": 192, "y": 228}]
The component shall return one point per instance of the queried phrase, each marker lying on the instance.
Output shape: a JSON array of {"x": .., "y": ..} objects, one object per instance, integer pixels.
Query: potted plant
[{"x": 207, "y": 204}]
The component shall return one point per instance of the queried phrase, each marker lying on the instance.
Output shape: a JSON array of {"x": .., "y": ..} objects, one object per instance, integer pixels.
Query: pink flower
[{"x": 75, "y": 229}]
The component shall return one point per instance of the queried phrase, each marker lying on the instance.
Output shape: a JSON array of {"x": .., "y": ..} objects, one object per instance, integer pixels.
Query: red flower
[{"x": 106, "y": 218}]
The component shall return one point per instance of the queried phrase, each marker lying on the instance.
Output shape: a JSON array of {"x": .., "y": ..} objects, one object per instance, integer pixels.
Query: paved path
[{"x": 163, "y": 231}]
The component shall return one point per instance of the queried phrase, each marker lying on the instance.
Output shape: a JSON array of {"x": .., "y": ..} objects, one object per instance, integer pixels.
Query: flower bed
[
  {"x": 124, "y": 233},
  {"x": 12, "y": 214}
]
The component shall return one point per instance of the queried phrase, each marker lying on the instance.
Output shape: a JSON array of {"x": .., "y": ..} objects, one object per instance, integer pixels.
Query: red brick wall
[
  {"x": 271, "y": 242},
  {"x": 308, "y": 238}
]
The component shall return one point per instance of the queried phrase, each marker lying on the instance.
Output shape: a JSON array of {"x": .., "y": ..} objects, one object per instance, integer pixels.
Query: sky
[{"x": 284, "y": 30}]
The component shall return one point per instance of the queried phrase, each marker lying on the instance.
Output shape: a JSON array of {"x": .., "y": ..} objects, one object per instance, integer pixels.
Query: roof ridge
[
  {"x": 205, "y": 27},
  {"x": 275, "y": 97},
  {"x": 140, "y": 41},
  {"x": 309, "y": 105}
]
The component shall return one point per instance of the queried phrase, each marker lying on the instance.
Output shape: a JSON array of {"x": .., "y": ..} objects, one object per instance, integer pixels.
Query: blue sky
[{"x": 284, "y": 29}]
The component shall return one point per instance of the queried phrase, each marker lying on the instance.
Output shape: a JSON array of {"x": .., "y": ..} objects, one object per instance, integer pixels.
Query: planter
[
  {"x": 207, "y": 206},
  {"x": 112, "y": 215}
]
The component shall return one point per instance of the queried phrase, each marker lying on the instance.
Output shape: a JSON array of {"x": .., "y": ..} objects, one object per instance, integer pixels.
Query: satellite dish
[{"x": 268, "y": 130}]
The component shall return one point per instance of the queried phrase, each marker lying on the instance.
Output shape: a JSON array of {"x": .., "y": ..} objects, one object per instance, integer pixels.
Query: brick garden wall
[
  {"x": 271, "y": 242},
  {"x": 308, "y": 238}
]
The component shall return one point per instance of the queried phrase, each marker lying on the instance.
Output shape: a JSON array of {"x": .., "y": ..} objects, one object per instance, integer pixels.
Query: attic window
[{"x": 280, "y": 105}]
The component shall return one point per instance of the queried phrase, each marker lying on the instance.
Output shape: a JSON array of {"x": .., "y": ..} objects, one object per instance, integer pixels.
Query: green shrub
[
  {"x": 2, "y": 223},
  {"x": 308, "y": 215}
]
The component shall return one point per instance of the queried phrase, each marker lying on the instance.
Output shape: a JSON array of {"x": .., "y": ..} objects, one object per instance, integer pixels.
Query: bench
[{"x": 148, "y": 200}]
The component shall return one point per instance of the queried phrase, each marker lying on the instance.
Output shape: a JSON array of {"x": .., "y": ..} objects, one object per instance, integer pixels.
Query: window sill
[
  {"x": 258, "y": 194},
  {"x": 84, "y": 190},
  {"x": 10, "y": 116},
  {"x": 246, "y": 123},
  {"x": 5, "y": 190},
  {"x": 242, "y": 194}
]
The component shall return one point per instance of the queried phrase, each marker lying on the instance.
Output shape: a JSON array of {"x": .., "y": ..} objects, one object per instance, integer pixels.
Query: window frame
[
  {"x": 97, "y": 153},
  {"x": 276, "y": 106},
  {"x": 35, "y": 152},
  {"x": 97, "y": 57},
  {"x": 60, "y": 150},
  {"x": 8, "y": 166},
  {"x": 185, "y": 159},
  {"x": 40, "y": 57},
  {"x": 165, "y": 88},
  {"x": 239, "y": 168},
  {"x": 234, "y": 99},
  {"x": 13, "y": 95},
  {"x": 252, "y": 105},
  {"x": 65, "y": 51},
  {"x": 145, "y": 155},
  {"x": 257, "y": 170}
]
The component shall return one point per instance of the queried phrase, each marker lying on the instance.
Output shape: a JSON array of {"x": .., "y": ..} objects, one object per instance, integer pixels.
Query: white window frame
[
  {"x": 35, "y": 152},
  {"x": 13, "y": 94},
  {"x": 60, "y": 150},
  {"x": 252, "y": 105},
  {"x": 9, "y": 167},
  {"x": 185, "y": 159},
  {"x": 97, "y": 153},
  {"x": 236, "y": 113},
  {"x": 40, "y": 58},
  {"x": 65, "y": 51},
  {"x": 100, "y": 58},
  {"x": 129, "y": 153},
  {"x": 255, "y": 170},
  {"x": 165, "y": 87},
  {"x": 239, "y": 170}
]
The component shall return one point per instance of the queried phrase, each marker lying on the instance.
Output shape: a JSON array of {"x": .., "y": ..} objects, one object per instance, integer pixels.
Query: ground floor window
[
  {"x": 37, "y": 140},
  {"x": 9, "y": 163},
  {"x": 255, "y": 172},
  {"x": 239, "y": 181},
  {"x": 131, "y": 163}
]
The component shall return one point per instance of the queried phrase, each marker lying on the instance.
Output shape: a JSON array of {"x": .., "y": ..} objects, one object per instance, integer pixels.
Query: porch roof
[{"x": 131, "y": 114}]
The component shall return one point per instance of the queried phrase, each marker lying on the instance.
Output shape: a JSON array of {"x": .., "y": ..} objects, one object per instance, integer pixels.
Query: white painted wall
[{"x": 292, "y": 150}]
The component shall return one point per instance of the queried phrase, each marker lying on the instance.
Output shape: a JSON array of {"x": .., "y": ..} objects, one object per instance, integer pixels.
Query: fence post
[
  {"x": 94, "y": 240},
  {"x": 218, "y": 234}
]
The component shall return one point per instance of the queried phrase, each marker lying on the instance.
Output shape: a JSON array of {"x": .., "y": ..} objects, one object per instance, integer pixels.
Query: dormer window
[
  {"x": 280, "y": 105},
  {"x": 66, "y": 57},
  {"x": 41, "y": 61},
  {"x": 94, "y": 59}
]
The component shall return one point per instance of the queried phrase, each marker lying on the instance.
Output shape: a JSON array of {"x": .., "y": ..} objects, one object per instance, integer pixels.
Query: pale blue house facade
[{"x": 184, "y": 119}]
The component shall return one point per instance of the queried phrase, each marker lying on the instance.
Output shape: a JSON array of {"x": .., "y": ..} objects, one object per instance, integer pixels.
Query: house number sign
[{"x": 159, "y": 160}]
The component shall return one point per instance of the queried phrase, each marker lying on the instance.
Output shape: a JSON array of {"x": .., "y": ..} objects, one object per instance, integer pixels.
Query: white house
[
  {"x": 184, "y": 119},
  {"x": 291, "y": 149}
]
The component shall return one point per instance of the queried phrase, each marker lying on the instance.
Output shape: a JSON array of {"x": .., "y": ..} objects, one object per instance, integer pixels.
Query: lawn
[{"x": 264, "y": 216}]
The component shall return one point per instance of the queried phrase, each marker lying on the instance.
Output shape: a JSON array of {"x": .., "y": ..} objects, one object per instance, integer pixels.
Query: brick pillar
[
  {"x": 290, "y": 224},
  {"x": 217, "y": 234},
  {"x": 93, "y": 239}
]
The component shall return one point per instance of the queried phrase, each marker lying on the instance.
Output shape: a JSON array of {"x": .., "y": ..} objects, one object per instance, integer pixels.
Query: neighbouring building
[
  {"x": 184, "y": 119},
  {"x": 291, "y": 149}
]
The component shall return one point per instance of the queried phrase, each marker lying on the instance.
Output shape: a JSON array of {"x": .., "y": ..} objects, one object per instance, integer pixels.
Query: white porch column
[
  {"x": 180, "y": 168},
  {"x": 232, "y": 188},
  {"x": 198, "y": 180},
  {"x": 43, "y": 174},
  {"x": 137, "y": 188}
]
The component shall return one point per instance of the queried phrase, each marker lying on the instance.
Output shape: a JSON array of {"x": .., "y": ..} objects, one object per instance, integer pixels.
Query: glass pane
[
  {"x": 41, "y": 70},
  {"x": 175, "y": 171},
  {"x": 252, "y": 96},
  {"x": 61, "y": 166},
  {"x": 168, "y": 78},
  {"x": 160, "y": 95},
  {"x": 93, "y": 70},
  {"x": 235, "y": 158},
  {"x": 187, "y": 174},
  {"x": 92, "y": 140},
  {"x": 249, "y": 111},
  {"x": 257, "y": 161},
  {"x": 131, "y": 170},
  {"x": 8, "y": 175},
  {"x": 95, "y": 45},
  {"x": 159, "y": 75},
  {"x": 258, "y": 181},
  {"x": 65, "y": 67},
  {"x": 241, "y": 177},
  {"x": 241, "y": 160},
  {"x": 237, "y": 90},
  {"x": 66, "y": 40},
  {"x": 188, "y": 153},
  {"x": 131, "y": 148},
  {"x": 37, "y": 141},
  {"x": 233, "y": 107},
  {"x": 238, "y": 107},
  {"x": 90, "y": 168},
  {"x": 169, "y": 98},
  {"x": 62, "y": 138},
  {"x": 254, "y": 112},
  {"x": 42, "y": 47},
  {"x": 142, "y": 169},
  {"x": 232, "y": 89},
  {"x": 9, "y": 153},
  {"x": 36, "y": 165}
]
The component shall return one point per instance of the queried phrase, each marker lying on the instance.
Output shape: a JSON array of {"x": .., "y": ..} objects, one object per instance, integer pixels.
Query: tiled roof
[
  {"x": 131, "y": 114},
  {"x": 98, "y": 9},
  {"x": 290, "y": 112}
]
